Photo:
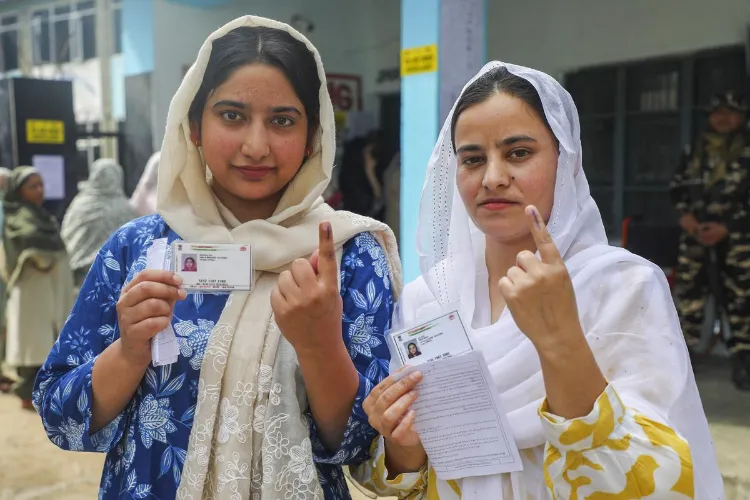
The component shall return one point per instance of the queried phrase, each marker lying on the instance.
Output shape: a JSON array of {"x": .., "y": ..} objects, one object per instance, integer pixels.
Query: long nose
[
  {"x": 496, "y": 173},
  {"x": 256, "y": 146}
]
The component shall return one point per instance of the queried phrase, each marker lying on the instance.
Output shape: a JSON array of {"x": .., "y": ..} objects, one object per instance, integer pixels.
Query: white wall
[
  {"x": 559, "y": 36},
  {"x": 382, "y": 49},
  {"x": 344, "y": 34}
]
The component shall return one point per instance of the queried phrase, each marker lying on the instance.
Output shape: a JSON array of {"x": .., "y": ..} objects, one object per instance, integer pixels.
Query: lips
[
  {"x": 497, "y": 204},
  {"x": 254, "y": 172}
]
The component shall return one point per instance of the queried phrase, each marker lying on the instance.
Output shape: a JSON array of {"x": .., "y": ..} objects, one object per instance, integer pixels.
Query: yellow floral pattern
[{"x": 613, "y": 453}]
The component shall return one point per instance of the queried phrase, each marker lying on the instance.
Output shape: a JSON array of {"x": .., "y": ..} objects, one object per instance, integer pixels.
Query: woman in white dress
[{"x": 581, "y": 338}]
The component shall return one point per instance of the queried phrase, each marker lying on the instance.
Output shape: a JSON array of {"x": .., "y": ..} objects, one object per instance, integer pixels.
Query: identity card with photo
[
  {"x": 220, "y": 267},
  {"x": 439, "y": 338}
]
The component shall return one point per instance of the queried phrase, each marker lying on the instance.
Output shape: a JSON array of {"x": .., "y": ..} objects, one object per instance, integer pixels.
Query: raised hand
[
  {"x": 539, "y": 293},
  {"x": 306, "y": 300}
]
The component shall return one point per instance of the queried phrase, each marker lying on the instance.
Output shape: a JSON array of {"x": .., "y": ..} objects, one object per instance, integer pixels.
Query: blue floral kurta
[{"x": 146, "y": 444}]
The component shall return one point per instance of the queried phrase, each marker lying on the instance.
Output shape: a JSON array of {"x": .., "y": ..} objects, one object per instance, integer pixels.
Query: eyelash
[
  {"x": 289, "y": 120},
  {"x": 238, "y": 116},
  {"x": 519, "y": 150},
  {"x": 468, "y": 161},
  {"x": 472, "y": 161},
  {"x": 226, "y": 114}
]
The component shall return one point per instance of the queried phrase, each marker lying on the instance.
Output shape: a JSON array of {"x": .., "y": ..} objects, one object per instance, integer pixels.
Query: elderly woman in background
[
  {"x": 144, "y": 196},
  {"x": 35, "y": 267},
  {"x": 98, "y": 210}
]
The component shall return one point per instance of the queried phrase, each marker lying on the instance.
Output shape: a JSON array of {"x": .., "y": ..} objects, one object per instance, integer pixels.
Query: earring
[{"x": 308, "y": 152}]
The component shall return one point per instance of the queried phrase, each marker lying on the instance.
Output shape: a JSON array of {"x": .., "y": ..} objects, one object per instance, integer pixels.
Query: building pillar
[{"x": 443, "y": 45}]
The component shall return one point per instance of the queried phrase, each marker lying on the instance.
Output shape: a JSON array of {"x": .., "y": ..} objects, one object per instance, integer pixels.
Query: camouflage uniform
[{"x": 715, "y": 189}]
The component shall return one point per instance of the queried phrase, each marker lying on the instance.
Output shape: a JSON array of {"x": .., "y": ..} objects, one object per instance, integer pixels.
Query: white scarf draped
[
  {"x": 97, "y": 211},
  {"x": 452, "y": 261},
  {"x": 144, "y": 196},
  {"x": 250, "y": 438}
]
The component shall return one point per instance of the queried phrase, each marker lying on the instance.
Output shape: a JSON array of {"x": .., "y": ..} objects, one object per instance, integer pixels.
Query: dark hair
[
  {"x": 497, "y": 81},
  {"x": 412, "y": 344},
  {"x": 260, "y": 44}
]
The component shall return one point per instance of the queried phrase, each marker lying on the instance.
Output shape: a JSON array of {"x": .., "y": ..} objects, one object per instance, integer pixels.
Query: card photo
[
  {"x": 412, "y": 349},
  {"x": 189, "y": 263}
]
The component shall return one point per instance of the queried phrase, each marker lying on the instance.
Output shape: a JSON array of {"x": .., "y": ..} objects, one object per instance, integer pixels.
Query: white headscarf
[
  {"x": 98, "y": 210},
  {"x": 144, "y": 196},
  {"x": 637, "y": 343},
  {"x": 227, "y": 456}
]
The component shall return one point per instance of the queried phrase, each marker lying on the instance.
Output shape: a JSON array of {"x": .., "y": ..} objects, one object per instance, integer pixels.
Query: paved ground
[{"x": 31, "y": 468}]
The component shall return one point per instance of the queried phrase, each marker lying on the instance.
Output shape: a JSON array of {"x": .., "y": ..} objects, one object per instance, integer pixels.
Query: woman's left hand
[
  {"x": 306, "y": 300},
  {"x": 539, "y": 293}
]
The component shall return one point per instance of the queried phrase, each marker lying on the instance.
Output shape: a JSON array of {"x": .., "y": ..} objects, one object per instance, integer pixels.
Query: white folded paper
[
  {"x": 460, "y": 420},
  {"x": 164, "y": 347}
]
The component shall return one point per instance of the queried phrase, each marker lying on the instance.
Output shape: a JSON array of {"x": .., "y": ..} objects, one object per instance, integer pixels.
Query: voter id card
[
  {"x": 220, "y": 267},
  {"x": 442, "y": 337}
]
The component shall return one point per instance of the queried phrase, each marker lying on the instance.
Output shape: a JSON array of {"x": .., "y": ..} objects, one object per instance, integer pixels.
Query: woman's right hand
[
  {"x": 144, "y": 309},
  {"x": 388, "y": 408}
]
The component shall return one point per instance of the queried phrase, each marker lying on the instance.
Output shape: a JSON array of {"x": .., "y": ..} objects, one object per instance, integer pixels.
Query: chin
[
  {"x": 256, "y": 193},
  {"x": 507, "y": 230}
]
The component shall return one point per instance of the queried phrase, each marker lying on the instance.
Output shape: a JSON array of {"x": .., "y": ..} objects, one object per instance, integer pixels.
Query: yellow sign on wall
[
  {"x": 418, "y": 60},
  {"x": 45, "y": 132}
]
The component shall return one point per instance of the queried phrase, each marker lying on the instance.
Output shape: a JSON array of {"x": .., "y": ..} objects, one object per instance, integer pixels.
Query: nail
[
  {"x": 182, "y": 293},
  {"x": 413, "y": 393},
  {"x": 415, "y": 376},
  {"x": 327, "y": 229},
  {"x": 177, "y": 279}
]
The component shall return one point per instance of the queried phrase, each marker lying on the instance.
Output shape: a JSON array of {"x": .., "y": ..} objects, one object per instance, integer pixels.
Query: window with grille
[
  {"x": 64, "y": 33},
  {"x": 635, "y": 120},
  {"x": 9, "y": 43}
]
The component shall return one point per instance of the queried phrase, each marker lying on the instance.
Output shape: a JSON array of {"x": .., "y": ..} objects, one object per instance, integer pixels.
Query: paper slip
[
  {"x": 216, "y": 267},
  {"x": 164, "y": 347},
  {"x": 460, "y": 421},
  {"x": 442, "y": 337}
]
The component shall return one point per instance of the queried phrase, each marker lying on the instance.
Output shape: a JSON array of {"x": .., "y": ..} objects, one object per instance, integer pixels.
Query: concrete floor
[{"x": 31, "y": 468}]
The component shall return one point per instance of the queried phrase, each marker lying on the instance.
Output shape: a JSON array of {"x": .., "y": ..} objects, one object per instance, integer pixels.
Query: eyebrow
[
  {"x": 241, "y": 105},
  {"x": 503, "y": 142},
  {"x": 514, "y": 139},
  {"x": 468, "y": 148},
  {"x": 230, "y": 104},
  {"x": 286, "y": 109}
]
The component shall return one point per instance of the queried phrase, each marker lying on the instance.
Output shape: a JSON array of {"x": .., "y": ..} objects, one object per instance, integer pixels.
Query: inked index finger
[
  {"x": 327, "y": 266},
  {"x": 544, "y": 243}
]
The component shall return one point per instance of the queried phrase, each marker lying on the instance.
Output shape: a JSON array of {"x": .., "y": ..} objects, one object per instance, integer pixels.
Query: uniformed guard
[{"x": 711, "y": 191}]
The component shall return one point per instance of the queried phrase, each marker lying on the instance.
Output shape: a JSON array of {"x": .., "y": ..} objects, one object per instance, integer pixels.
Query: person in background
[
  {"x": 358, "y": 178},
  {"x": 375, "y": 166},
  {"x": 711, "y": 191},
  {"x": 35, "y": 267},
  {"x": 98, "y": 210},
  {"x": 5, "y": 381},
  {"x": 264, "y": 400},
  {"x": 392, "y": 194},
  {"x": 144, "y": 196}
]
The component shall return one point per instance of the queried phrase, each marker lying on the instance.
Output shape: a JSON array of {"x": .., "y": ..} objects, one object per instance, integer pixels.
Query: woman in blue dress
[{"x": 264, "y": 401}]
